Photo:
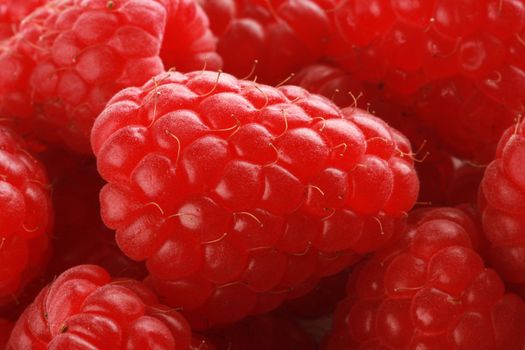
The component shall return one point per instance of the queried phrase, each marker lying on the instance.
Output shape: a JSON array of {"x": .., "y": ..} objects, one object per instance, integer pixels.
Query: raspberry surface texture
[
  {"x": 270, "y": 39},
  {"x": 429, "y": 291},
  {"x": 70, "y": 57},
  {"x": 458, "y": 62},
  {"x": 434, "y": 165},
  {"x": 502, "y": 203},
  {"x": 12, "y": 12},
  {"x": 26, "y": 216},
  {"x": 84, "y": 309},
  {"x": 240, "y": 195}
]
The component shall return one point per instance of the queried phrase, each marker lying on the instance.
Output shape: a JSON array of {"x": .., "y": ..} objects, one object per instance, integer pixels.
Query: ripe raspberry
[
  {"x": 12, "y": 12},
  {"x": 70, "y": 57},
  {"x": 25, "y": 216},
  {"x": 281, "y": 35},
  {"x": 84, "y": 309},
  {"x": 265, "y": 332},
  {"x": 429, "y": 291},
  {"x": 459, "y": 62},
  {"x": 80, "y": 236},
  {"x": 502, "y": 203},
  {"x": 238, "y": 194},
  {"x": 435, "y": 167},
  {"x": 5, "y": 331}
]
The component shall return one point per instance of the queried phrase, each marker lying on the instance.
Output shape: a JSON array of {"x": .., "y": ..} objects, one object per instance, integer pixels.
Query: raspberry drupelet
[
  {"x": 502, "y": 203},
  {"x": 239, "y": 195},
  {"x": 85, "y": 309},
  {"x": 26, "y": 216},
  {"x": 70, "y": 57},
  {"x": 429, "y": 291},
  {"x": 460, "y": 63}
]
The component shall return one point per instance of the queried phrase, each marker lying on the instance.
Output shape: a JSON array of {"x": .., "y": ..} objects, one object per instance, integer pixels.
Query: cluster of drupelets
[{"x": 262, "y": 174}]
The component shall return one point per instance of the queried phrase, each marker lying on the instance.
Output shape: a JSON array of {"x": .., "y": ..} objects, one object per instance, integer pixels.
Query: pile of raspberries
[{"x": 262, "y": 174}]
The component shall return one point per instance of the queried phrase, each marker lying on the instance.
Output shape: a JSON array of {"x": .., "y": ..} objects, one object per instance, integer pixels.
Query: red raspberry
[
  {"x": 281, "y": 35},
  {"x": 5, "y": 332},
  {"x": 265, "y": 332},
  {"x": 429, "y": 291},
  {"x": 502, "y": 203},
  {"x": 238, "y": 194},
  {"x": 435, "y": 167},
  {"x": 459, "y": 62},
  {"x": 12, "y": 12},
  {"x": 80, "y": 236},
  {"x": 71, "y": 56},
  {"x": 26, "y": 217},
  {"x": 84, "y": 309}
]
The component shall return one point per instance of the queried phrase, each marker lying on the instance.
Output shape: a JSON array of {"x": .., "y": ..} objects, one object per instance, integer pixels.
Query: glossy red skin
[
  {"x": 459, "y": 63},
  {"x": 84, "y": 309},
  {"x": 435, "y": 166},
  {"x": 429, "y": 291},
  {"x": 265, "y": 332},
  {"x": 249, "y": 210},
  {"x": 282, "y": 36},
  {"x": 503, "y": 211},
  {"x": 26, "y": 216},
  {"x": 70, "y": 57}
]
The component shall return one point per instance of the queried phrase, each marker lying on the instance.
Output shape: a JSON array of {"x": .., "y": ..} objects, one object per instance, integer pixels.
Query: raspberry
[
  {"x": 237, "y": 194},
  {"x": 458, "y": 62},
  {"x": 70, "y": 57},
  {"x": 429, "y": 291},
  {"x": 80, "y": 236},
  {"x": 435, "y": 168},
  {"x": 265, "y": 332},
  {"x": 12, "y": 12},
  {"x": 5, "y": 331},
  {"x": 83, "y": 308},
  {"x": 280, "y": 35},
  {"x": 26, "y": 217},
  {"x": 502, "y": 201}
]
